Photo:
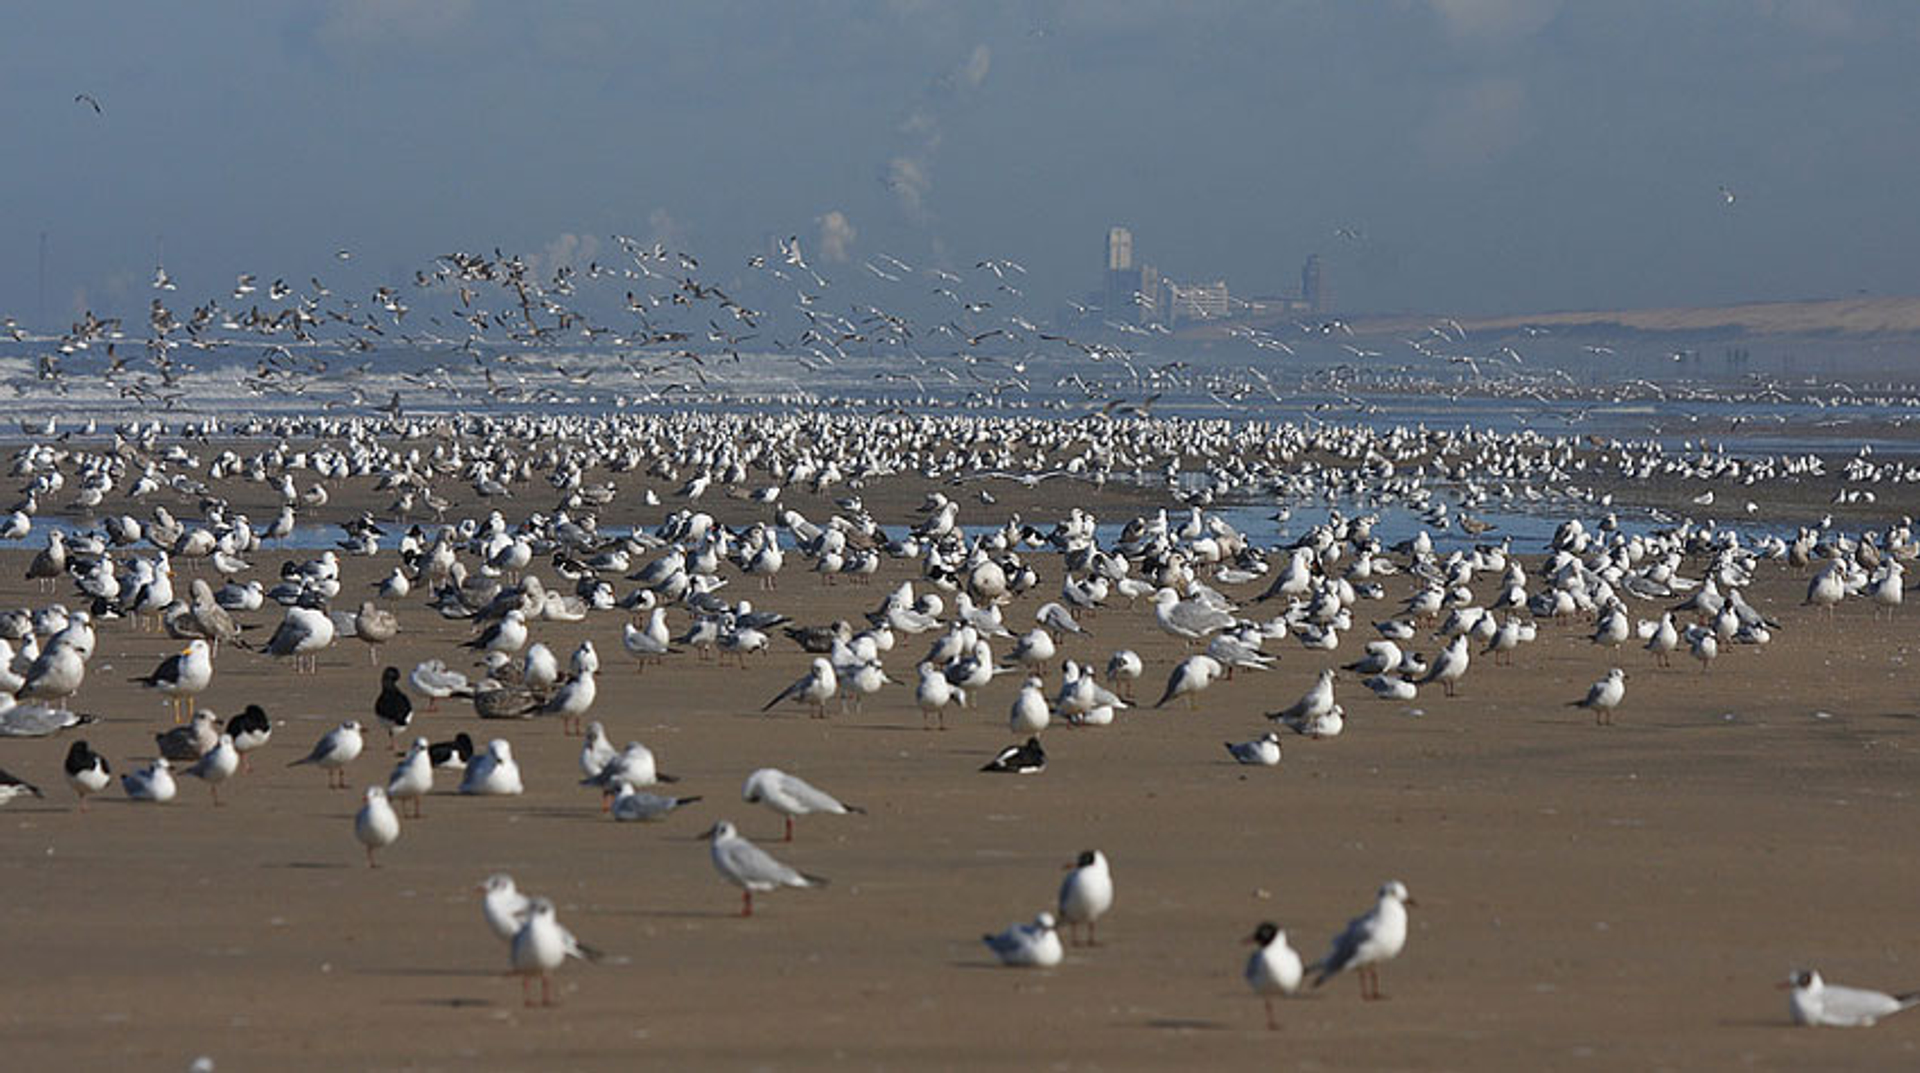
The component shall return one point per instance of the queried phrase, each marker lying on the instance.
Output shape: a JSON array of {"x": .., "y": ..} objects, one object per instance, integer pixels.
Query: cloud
[
  {"x": 567, "y": 250},
  {"x": 907, "y": 178},
  {"x": 666, "y": 230},
  {"x": 909, "y": 172},
  {"x": 836, "y": 234}
]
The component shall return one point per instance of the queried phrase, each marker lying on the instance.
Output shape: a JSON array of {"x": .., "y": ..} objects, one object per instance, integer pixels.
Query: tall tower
[
  {"x": 1313, "y": 287},
  {"x": 1119, "y": 249}
]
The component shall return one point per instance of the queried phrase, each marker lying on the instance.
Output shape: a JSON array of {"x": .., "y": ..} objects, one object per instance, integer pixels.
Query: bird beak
[
  {"x": 1784, "y": 985},
  {"x": 1410, "y": 902}
]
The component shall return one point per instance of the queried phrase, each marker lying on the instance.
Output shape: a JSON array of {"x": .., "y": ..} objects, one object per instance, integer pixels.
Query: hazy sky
[{"x": 1492, "y": 155}]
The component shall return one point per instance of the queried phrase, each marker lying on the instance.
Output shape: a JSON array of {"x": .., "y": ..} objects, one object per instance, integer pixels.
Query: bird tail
[
  {"x": 678, "y": 801},
  {"x": 814, "y": 880},
  {"x": 768, "y": 706},
  {"x": 661, "y": 776},
  {"x": 853, "y": 808},
  {"x": 587, "y": 953}
]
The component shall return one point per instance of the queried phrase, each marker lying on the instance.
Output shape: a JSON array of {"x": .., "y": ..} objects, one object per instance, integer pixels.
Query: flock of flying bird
[{"x": 482, "y": 568}]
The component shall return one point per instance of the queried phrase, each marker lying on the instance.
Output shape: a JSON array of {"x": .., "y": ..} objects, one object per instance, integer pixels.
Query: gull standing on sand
[
  {"x": 815, "y": 688},
  {"x": 573, "y": 700},
  {"x": 412, "y": 777},
  {"x": 1373, "y": 937},
  {"x": 302, "y": 634},
  {"x": 539, "y": 947},
  {"x": 1817, "y": 1003},
  {"x": 376, "y": 825},
  {"x": 751, "y": 868},
  {"x": 1317, "y": 701},
  {"x": 1604, "y": 697},
  {"x": 1189, "y": 677},
  {"x": 791, "y": 796},
  {"x": 1274, "y": 968},
  {"x": 334, "y": 751},
  {"x": 1086, "y": 894},
  {"x": 1449, "y": 665},
  {"x": 217, "y": 766},
  {"x": 1035, "y": 945},
  {"x": 182, "y": 676}
]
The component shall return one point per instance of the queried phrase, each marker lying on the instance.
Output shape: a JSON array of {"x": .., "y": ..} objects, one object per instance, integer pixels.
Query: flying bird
[{"x": 88, "y": 99}]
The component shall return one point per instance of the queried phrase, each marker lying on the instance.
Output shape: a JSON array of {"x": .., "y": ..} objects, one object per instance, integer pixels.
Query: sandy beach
[{"x": 1600, "y": 897}]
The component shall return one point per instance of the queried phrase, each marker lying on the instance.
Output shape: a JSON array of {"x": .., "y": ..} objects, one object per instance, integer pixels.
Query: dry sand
[{"x": 1595, "y": 898}]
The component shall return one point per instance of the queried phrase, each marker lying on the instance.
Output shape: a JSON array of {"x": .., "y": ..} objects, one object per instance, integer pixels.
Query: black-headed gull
[
  {"x": 1274, "y": 968},
  {"x": 1086, "y": 894},
  {"x": 376, "y": 825},
  {"x": 1816, "y": 1002}
]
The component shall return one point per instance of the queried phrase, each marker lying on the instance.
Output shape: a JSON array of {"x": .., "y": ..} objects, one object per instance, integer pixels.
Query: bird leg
[
  {"x": 526, "y": 991},
  {"x": 371, "y": 863},
  {"x": 746, "y": 903},
  {"x": 1271, "y": 1023},
  {"x": 546, "y": 989},
  {"x": 789, "y": 837},
  {"x": 1093, "y": 938}
]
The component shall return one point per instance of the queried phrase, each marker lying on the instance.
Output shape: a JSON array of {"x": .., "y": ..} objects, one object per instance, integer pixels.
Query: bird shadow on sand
[
  {"x": 675, "y": 914},
  {"x": 304, "y": 865},
  {"x": 1184, "y": 1024},
  {"x": 435, "y": 971}
]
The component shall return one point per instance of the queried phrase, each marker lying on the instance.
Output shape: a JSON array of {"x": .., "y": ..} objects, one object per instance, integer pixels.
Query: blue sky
[{"x": 1491, "y": 155}]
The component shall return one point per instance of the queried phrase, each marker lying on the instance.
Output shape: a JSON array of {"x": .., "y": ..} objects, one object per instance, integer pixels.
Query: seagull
[
  {"x": 302, "y": 634},
  {"x": 1189, "y": 677},
  {"x": 1025, "y": 759},
  {"x": 151, "y": 783},
  {"x": 539, "y": 947},
  {"x": 632, "y": 804},
  {"x": 217, "y": 766},
  {"x": 12, "y": 786},
  {"x": 87, "y": 771},
  {"x": 634, "y": 765},
  {"x": 1369, "y": 939},
  {"x": 1816, "y": 1002},
  {"x": 88, "y": 100},
  {"x": 596, "y": 752},
  {"x": 33, "y": 720},
  {"x": 507, "y": 635},
  {"x": 182, "y": 676},
  {"x": 1273, "y": 969},
  {"x": 1086, "y": 894},
  {"x": 1315, "y": 703},
  {"x": 790, "y": 796},
  {"x": 493, "y": 771},
  {"x": 412, "y": 777},
  {"x": 1449, "y": 665},
  {"x": 190, "y": 742},
  {"x": 571, "y": 701},
  {"x": 814, "y": 688},
  {"x": 1604, "y": 697},
  {"x": 1262, "y": 751},
  {"x": 751, "y": 868},
  {"x": 432, "y": 679},
  {"x": 376, "y": 825},
  {"x": 1035, "y": 945},
  {"x": 334, "y": 751}
]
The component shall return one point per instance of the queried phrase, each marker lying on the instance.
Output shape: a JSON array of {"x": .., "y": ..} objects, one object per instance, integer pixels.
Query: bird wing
[{"x": 1345, "y": 945}]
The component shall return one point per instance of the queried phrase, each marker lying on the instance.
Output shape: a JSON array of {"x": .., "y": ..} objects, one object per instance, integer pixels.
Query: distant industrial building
[
  {"x": 1135, "y": 293},
  {"x": 1131, "y": 295}
]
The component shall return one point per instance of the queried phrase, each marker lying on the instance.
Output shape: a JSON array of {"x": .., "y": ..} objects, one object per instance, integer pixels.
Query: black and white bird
[
  {"x": 1024, "y": 759},
  {"x": 1274, "y": 968},
  {"x": 1086, "y": 894},
  {"x": 1818, "y": 1003},
  {"x": 393, "y": 706},
  {"x": 87, "y": 771},
  {"x": 250, "y": 730},
  {"x": 451, "y": 755}
]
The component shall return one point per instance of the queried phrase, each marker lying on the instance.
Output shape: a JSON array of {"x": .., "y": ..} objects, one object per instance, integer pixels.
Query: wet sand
[{"x": 1589, "y": 897}]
